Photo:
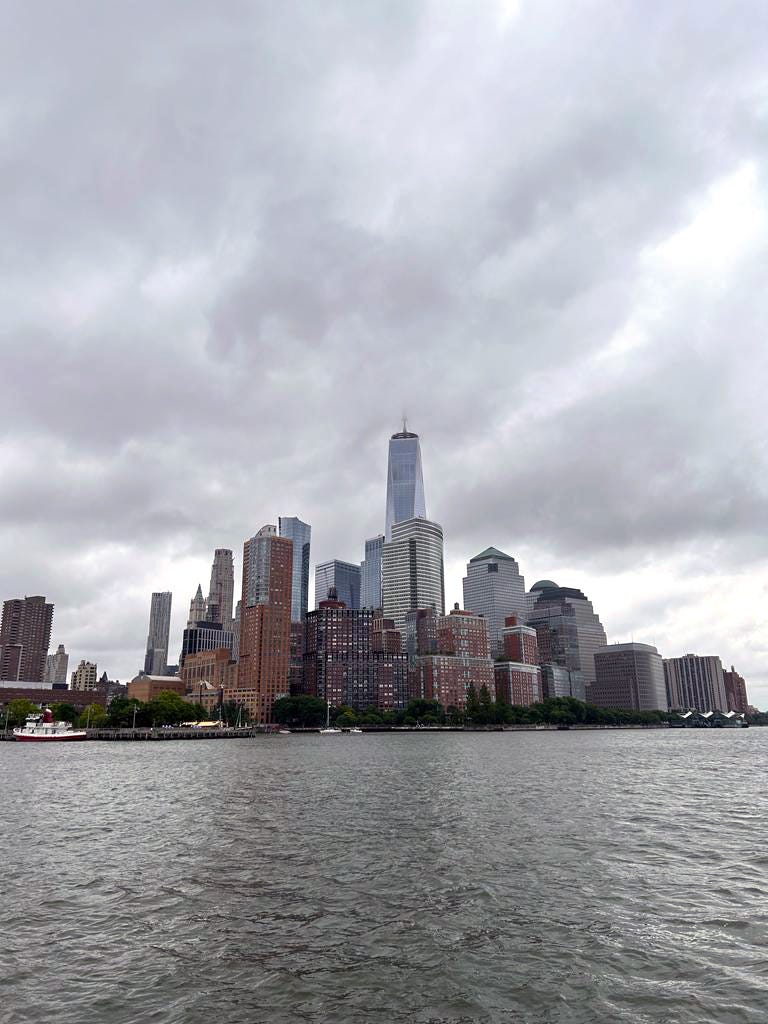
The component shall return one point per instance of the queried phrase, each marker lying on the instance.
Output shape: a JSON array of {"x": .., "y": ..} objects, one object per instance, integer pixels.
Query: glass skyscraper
[
  {"x": 568, "y": 630},
  {"x": 370, "y": 584},
  {"x": 300, "y": 533},
  {"x": 405, "y": 481},
  {"x": 344, "y": 576},
  {"x": 493, "y": 587}
]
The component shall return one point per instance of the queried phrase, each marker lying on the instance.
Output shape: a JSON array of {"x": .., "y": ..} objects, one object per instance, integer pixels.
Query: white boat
[
  {"x": 284, "y": 732},
  {"x": 329, "y": 730},
  {"x": 356, "y": 730},
  {"x": 43, "y": 729}
]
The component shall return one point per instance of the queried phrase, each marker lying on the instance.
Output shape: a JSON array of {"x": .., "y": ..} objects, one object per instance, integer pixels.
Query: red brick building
[
  {"x": 462, "y": 659},
  {"x": 265, "y": 627},
  {"x": 735, "y": 691},
  {"x": 25, "y": 633}
]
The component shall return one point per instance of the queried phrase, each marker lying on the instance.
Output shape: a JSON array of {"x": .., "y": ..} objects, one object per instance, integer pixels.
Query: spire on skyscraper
[{"x": 405, "y": 481}]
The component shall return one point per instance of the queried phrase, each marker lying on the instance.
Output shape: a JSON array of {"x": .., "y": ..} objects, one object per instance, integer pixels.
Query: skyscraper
[
  {"x": 221, "y": 593},
  {"x": 370, "y": 569},
  {"x": 156, "y": 657},
  {"x": 265, "y": 626},
  {"x": 25, "y": 632},
  {"x": 735, "y": 691},
  {"x": 628, "y": 676},
  {"x": 405, "y": 481},
  {"x": 197, "y": 607},
  {"x": 344, "y": 576},
  {"x": 84, "y": 676},
  {"x": 493, "y": 587},
  {"x": 568, "y": 630},
  {"x": 300, "y": 533},
  {"x": 695, "y": 683},
  {"x": 412, "y": 570},
  {"x": 56, "y": 667},
  {"x": 462, "y": 660}
]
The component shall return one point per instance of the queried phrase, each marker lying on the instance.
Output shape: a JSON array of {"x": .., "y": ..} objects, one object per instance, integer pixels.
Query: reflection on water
[{"x": 565, "y": 877}]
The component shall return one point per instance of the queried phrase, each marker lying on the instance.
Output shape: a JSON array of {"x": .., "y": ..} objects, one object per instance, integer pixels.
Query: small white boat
[
  {"x": 329, "y": 730},
  {"x": 354, "y": 729},
  {"x": 284, "y": 732},
  {"x": 43, "y": 729}
]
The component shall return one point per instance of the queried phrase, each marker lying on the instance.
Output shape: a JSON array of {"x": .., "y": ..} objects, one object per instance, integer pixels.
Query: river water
[{"x": 542, "y": 878}]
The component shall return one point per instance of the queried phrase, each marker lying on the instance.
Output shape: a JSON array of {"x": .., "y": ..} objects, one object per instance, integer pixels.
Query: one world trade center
[{"x": 405, "y": 482}]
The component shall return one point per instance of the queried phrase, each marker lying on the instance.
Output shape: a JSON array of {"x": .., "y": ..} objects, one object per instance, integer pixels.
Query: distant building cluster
[{"x": 378, "y": 635}]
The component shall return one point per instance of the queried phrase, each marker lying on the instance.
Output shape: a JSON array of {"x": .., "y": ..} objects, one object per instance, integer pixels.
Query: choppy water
[{"x": 567, "y": 877}]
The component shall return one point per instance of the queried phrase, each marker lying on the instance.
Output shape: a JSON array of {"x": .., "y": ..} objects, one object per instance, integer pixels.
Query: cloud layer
[{"x": 240, "y": 240}]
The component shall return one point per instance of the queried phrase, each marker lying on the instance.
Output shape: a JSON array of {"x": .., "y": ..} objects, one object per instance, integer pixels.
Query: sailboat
[{"x": 329, "y": 730}]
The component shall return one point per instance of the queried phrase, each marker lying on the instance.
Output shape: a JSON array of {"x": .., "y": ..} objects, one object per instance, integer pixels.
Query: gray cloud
[{"x": 240, "y": 240}]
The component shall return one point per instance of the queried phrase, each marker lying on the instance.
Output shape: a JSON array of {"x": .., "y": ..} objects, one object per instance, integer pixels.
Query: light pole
[{"x": 134, "y": 717}]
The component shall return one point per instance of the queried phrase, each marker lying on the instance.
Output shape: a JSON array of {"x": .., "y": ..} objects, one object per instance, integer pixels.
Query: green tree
[
  {"x": 18, "y": 711},
  {"x": 486, "y": 706},
  {"x": 299, "y": 711},
  {"x": 169, "y": 708},
  {"x": 472, "y": 711},
  {"x": 120, "y": 713},
  {"x": 94, "y": 717},
  {"x": 347, "y": 719},
  {"x": 429, "y": 712},
  {"x": 63, "y": 712}
]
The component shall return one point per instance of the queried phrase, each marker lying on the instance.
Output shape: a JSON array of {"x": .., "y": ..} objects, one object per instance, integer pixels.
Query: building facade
[
  {"x": 695, "y": 683},
  {"x": 25, "y": 634},
  {"x": 156, "y": 656},
  {"x": 197, "y": 608},
  {"x": 214, "y": 667},
  {"x": 462, "y": 659},
  {"x": 412, "y": 570},
  {"x": 349, "y": 658},
  {"x": 568, "y": 630},
  {"x": 405, "y": 481},
  {"x": 493, "y": 587},
  {"x": 265, "y": 622},
  {"x": 56, "y": 666},
  {"x": 628, "y": 676},
  {"x": 203, "y": 636},
  {"x": 370, "y": 573},
  {"x": 85, "y": 676},
  {"x": 518, "y": 676},
  {"x": 343, "y": 577},
  {"x": 300, "y": 534},
  {"x": 146, "y": 688},
  {"x": 221, "y": 593},
  {"x": 735, "y": 691}
]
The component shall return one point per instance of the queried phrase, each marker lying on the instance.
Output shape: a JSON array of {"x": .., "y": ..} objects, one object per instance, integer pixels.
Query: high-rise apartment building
[
  {"x": 695, "y": 683},
  {"x": 265, "y": 622},
  {"x": 735, "y": 691},
  {"x": 156, "y": 657},
  {"x": 343, "y": 577},
  {"x": 221, "y": 593},
  {"x": 568, "y": 630},
  {"x": 197, "y": 607},
  {"x": 518, "y": 676},
  {"x": 405, "y": 481},
  {"x": 300, "y": 534},
  {"x": 352, "y": 657},
  {"x": 412, "y": 570},
  {"x": 493, "y": 587},
  {"x": 462, "y": 659},
  {"x": 56, "y": 666},
  {"x": 370, "y": 569},
  {"x": 628, "y": 676},
  {"x": 85, "y": 676},
  {"x": 25, "y": 633}
]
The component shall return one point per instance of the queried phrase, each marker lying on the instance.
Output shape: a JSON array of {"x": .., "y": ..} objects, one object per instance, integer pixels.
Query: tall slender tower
[
  {"x": 405, "y": 481},
  {"x": 156, "y": 657},
  {"x": 56, "y": 667},
  {"x": 265, "y": 626},
  {"x": 221, "y": 594},
  {"x": 196, "y": 608},
  {"x": 370, "y": 568},
  {"x": 300, "y": 533},
  {"x": 25, "y": 632}
]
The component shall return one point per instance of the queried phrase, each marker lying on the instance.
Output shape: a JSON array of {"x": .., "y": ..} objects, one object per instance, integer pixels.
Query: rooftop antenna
[{"x": 405, "y": 424}]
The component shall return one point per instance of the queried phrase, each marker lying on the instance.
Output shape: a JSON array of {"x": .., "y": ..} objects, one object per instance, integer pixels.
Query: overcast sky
[{"x": 239, "y": 239}]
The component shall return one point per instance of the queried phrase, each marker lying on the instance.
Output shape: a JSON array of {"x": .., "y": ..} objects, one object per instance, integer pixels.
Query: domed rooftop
[{"x": 544, "y": 585}]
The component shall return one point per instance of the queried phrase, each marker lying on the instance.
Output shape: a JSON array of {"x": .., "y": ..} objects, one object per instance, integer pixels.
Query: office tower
[
  {"x": 516, "y": 672},
  {"x": 203, "y": 636},
  {"x": 221, "y": 593},
  {"x": 462, "y": 660},
  {"x": 405, "y": 482},
  {"x": 735, "y": 691},
  {"x": 412, "y": 570},
  {"x": 695, "y": 683},
  {"x": 493, "y": 587},
  {"x": 56, "y": 667},
  {"x": 344, "y": 577},
  {"x": 557, "y": 681},
  {"x": 197, "y": 608},
  {"x": 84, "y": 676},
  {"x": 353, "y": 657},
  {"x": 25, "y": 632},
  {"x": 156, "y": 657},
  {"x": 265, "y": 622},
  {"x": 370, "y": 570},
  {"x": 567, "y": 629},
  {"x": 299, "y": 533},
  {"x": 628, "y": 676}
]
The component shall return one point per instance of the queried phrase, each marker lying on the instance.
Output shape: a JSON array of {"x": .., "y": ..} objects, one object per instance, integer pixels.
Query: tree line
[{"x": 123, "y": 712}]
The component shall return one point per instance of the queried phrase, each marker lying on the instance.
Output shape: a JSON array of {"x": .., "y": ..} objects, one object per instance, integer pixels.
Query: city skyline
[{"x": 544, "y": 283}]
